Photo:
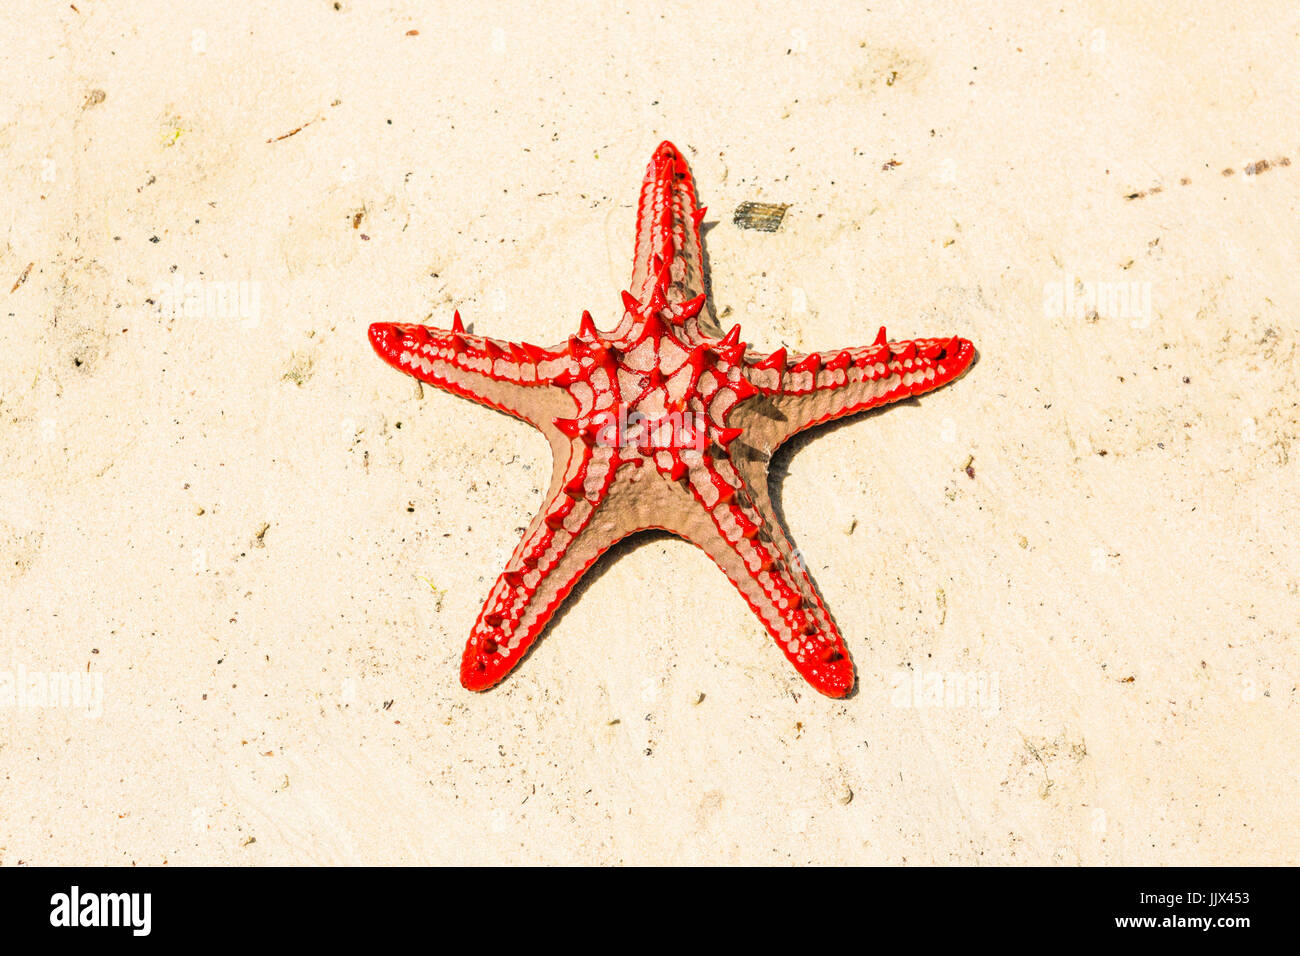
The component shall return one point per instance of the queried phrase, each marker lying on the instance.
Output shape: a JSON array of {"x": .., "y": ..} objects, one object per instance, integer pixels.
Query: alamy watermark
[
  {"x": 127, "y": 910},
  {"x": 1071, "y": 297},
  {"x": 675, "y": 430},
  {"x": 974, "y": 690},
  {"x": 209, "y": 299},
  {"x": 41, "y": 689}
]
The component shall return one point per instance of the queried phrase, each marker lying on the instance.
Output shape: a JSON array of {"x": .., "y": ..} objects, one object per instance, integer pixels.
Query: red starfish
[{"x": 664, "y": 423}]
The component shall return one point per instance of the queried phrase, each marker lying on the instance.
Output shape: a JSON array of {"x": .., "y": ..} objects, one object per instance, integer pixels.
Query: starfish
[{"x": 666, "y": 423}]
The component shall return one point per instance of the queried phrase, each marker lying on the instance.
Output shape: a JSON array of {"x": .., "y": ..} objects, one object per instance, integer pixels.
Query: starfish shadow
[
  {"x": 778, "y": 470},
  {"x": 779, "y": 463},
  {"x": 706, "y": 280},
  {"x": 620, "y": 548},
  {"x": 623, "y": 547}
]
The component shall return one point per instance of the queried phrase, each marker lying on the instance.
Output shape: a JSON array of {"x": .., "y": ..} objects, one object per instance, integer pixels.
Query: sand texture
[{"x": 246, "y": 553}]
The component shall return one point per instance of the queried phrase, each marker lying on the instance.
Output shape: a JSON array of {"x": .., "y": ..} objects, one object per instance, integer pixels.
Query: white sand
[{"x": 1119, "y": 579}]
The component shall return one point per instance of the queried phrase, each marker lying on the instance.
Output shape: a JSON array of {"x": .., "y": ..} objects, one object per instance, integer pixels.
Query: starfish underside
[{"x": 664, "y": 423}]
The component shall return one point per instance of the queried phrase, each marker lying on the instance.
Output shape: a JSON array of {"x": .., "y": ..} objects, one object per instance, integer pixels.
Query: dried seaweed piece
[
  {"x": 763, "y": 216},
  {"x": 23, "y": 278}
]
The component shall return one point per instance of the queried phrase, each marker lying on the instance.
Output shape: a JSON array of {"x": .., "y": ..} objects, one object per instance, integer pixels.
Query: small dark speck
[
  {"x": 1187, "y": 380},
  {"x": 154, "y": 239}
]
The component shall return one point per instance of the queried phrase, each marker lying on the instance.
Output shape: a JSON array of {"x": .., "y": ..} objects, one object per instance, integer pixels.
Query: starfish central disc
[{"x": 651, "y": 395}]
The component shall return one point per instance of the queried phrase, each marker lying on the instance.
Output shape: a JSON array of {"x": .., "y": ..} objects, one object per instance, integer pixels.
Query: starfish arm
[
  {"x": 738, "y": 529},
  {"x": 564, "y": 539},
  {"x": 800, "y": 391},
  {"x": 669, "y": 254},
  {"x": 512, "y": 377}
]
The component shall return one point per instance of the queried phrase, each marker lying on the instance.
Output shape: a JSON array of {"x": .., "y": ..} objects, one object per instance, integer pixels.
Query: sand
[{"x": 247, "y": 553}]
